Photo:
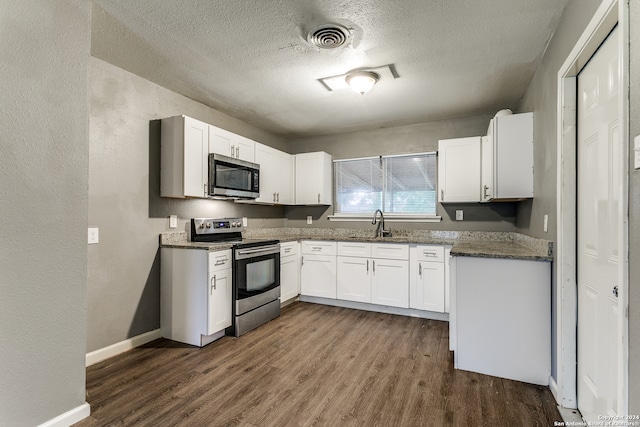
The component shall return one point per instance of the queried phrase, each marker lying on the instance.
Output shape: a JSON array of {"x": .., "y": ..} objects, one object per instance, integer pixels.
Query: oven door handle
[{"x": 264, "y": 250}]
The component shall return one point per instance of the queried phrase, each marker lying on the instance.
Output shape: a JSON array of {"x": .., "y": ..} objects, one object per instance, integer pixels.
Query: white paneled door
[{"x": 599, "y": 231}]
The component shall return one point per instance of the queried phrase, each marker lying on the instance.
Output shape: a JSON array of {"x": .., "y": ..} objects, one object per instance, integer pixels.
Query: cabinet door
[
  {"x": 220, "y": 141},
  {"x": 390, "y": 282},
  {"x": 284, "y": 177},
  {"x": 427, "y": 291},
  {"x": 318, "y": 276},
  {"x": 196, "y": 166},
  {"x": 513, "y": 156},
  {"x": 313, "y": 179},
  {"x": 244, "y": 148},
  {"x": 354, "y": 279},
  {"x": 289, "y": 277},
  {"x": 459, "y": 170},
  {"x": 219, "y": 301},
  {"x": 265, "y": 157}
]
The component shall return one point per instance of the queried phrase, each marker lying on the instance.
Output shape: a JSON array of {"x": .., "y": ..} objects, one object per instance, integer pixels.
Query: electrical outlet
[
  {"x": 459, "y": 215},
  {"x": 173, "y": 221},
  {"x": 546, "y": 223},
  {"x": 309, "y": 219},
  {"x": 244, "y": 221},
  {"x": 93, "y": 236},
  {"x": 636, "y": 152}
]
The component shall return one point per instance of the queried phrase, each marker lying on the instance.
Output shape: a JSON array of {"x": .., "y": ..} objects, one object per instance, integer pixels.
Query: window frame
[{"x": 388, "y": 216}]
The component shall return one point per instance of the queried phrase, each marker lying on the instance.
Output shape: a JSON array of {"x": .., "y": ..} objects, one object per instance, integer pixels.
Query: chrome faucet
[{"x": 380, "y": 231}]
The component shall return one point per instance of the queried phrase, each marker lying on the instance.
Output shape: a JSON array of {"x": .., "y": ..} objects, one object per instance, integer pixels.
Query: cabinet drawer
[
  {"x": 219, "y": 260},
  {"x": 312, "y": 247},
  {"x": 390, "y": 251},
  {"x": 289, "y": 248},
  {"x": 354, "y": 249},
  {"x": 430, "y": 253}
]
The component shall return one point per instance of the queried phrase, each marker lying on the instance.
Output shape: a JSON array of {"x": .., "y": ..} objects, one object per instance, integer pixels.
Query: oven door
[{"x": 256, "y": 276}]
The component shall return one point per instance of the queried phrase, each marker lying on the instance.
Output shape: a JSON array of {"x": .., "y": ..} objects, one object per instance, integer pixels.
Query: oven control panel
[{"x": 216, "y": 226}]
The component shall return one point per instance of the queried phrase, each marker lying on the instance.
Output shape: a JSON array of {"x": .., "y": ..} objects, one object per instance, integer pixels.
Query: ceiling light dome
[{"x": 362, "y": 81}]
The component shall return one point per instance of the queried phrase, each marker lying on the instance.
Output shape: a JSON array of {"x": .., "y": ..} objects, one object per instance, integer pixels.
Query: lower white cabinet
[
  {"x": 428, "y": 290},
  {"x": 195, "y": 294},
  {"x": 318, "y": 269},
  {"x": 289, "y": 271},
  {"x": 364, "y": 278}
]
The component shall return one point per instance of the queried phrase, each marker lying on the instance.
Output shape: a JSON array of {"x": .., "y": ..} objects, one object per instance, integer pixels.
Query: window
[{"x": 402, "y": 185}]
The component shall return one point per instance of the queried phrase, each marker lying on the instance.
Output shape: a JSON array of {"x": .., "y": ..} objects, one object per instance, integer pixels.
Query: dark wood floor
[{"x": 314, "y": 365}]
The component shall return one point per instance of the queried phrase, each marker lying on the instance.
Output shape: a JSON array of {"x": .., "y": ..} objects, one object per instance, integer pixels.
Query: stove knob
[
  {"x": 208, "y": 225},
  {"x": 237, "y": 224},
  {"x": 201, "y": 225}
]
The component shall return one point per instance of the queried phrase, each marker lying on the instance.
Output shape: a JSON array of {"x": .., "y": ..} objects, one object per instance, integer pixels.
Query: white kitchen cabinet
[
  {"x": 390, "y": 282},
  {"x": 184, "y": 158},
  {"x": 313, "y": 183},
  {"x": 227, "y": 143},
  {"x": 459, "y": 170},
  {"x": 276, "y": 175},
  {"x": 365, "y": 276},
  {"x": 427, "y": 283},
  {"x": 219, "y": 296},
  {"x": 195, "y": 294},
  {"x": 289, "y": 271},
  {"x": 318, "y": 269},
  {"x": 507, "y": 158}
]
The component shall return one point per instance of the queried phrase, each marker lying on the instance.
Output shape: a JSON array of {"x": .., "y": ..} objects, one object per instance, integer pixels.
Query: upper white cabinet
[
  {"x": 183, "y": 157},
  {"x": 229, "y": 144},
  {"x": 459, "y": 170},
  {"x": 507, "y": 158},
  {"x": 313, "y": 183},
  {"x": 276, "y": 175}
]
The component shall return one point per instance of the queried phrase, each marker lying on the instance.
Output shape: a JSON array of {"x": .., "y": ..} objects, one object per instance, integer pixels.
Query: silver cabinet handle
[
  {"x": 213, "y": 284},
  {"x": 486, "y": 188},
  {"x": 221, "y": 262},
  {"x": 442, "y": 195},
  {"x": 232, "y": 150},
  {"x": 318, "y": 198},
  {"x": 374, "y": 265},
  {"x": 429, "y": 254},
  {"x": 301, "y": 261},
  {"x": 420, "y": 269},
  {"x": 287, "y": 250},
  {"x": 316, "y": 249},
  {"x": 615, "y": 291},
  {"x": 274, "y": 197},
  {"x": 367, "y": 266},
  {"x": 238, "y": 152},
  {"x": 205, "y": 188},
  {"x": 278, "y": 197}
]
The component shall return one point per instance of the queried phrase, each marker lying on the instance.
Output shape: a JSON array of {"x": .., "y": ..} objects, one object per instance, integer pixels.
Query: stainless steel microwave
[{"x": 233, "y": 178}]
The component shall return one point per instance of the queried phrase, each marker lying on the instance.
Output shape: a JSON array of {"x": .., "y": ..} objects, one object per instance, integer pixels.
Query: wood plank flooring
[{"x": 315, "y": 365}]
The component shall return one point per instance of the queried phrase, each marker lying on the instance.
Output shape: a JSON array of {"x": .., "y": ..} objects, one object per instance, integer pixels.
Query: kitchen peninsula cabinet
[
  {"x": 276, "y": 175},
  {"x": 195, "y": 294},
  {"x": 184, "y": 162},
  {"x": 459, "y": 170},
  {"x": 313, "y": 173},
  {"x": 318, "y": 269}
]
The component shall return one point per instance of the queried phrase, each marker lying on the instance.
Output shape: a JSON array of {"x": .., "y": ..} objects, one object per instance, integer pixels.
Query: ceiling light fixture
[{"x": 362, "y": 81}]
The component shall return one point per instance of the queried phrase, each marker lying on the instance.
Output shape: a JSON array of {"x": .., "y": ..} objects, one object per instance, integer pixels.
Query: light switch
[
  {"x": 636, "y": 152},
  {"x": 173, "y": 221},
  {"x": 459, "y": 215},
  {"x": 93, "y": 236}
]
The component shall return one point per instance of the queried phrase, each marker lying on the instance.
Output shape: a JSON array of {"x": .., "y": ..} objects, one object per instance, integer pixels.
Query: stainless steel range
[{"x": 256, "y": 271}]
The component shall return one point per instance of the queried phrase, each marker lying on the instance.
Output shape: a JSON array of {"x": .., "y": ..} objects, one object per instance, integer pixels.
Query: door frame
[{"x": 564, "y": 387}]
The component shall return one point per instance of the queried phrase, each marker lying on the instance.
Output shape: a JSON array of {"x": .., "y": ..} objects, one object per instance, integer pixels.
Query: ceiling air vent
[{"x": 329, "y": 36}]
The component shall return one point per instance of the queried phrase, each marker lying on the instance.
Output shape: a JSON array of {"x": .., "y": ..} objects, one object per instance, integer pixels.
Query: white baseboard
[
  {"x": 70, "y": 417},
  {"x": 122, "y": 346},
  {"x": 553, "y": 386}
]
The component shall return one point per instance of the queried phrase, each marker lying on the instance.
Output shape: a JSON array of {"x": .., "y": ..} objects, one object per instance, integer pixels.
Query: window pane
[
  {"x": 358, "y": 185},
  {"x": 410, "y": 185}
]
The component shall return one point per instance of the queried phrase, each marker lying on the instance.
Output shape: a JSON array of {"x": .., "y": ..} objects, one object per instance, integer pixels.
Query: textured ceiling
[{"x": 250, "y": 58}]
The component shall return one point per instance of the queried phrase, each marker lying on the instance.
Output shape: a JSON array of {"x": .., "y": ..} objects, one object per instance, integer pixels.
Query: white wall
[{"x": 44, "y": 48}]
